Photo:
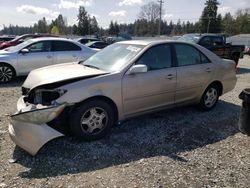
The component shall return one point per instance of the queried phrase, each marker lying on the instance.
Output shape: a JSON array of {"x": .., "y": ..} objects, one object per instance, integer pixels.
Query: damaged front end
[{"x": 28, "y": 126}]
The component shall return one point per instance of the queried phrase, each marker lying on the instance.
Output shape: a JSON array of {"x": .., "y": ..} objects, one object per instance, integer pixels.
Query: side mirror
[
  {"x": 138, "y": 69},
  {"x": 24, "y": 51}
]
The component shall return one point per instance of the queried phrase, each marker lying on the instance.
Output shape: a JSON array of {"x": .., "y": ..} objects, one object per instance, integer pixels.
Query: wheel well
[
  {"x": 2, "y": 63},
  {"x": 219, "y": 85},
  {"x": 236, "y": 54},
  {"x": 103, "y": 98}
]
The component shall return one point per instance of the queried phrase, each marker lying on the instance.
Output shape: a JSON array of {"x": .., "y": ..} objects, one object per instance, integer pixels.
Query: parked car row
[
  {"x": 22, "y": 38},
  {"x": 124, "y": 80},
  {"x": 6, "y": 38},
  {"x": 39, "y": 52}
]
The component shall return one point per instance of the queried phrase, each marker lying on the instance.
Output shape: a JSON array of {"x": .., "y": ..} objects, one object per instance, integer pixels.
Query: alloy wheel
[
  {"x": 94, "y": 120},
  {"x": 211, "y": 97},
  {"x": 6, "y": 74}
]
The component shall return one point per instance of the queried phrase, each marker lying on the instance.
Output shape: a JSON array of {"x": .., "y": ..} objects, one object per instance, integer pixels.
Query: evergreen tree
[
  {"x": 75, "y": 29},
  {"x": 83, "y": 21},
  {"x": 228, "y": 24},
  {"x": 94, "y": 25},
  {"x": 111, "y": 28},
  {"x": 209, "y": 16},
  {"x": 116, "y": 29},
  {"x": 42, "y": 26}
]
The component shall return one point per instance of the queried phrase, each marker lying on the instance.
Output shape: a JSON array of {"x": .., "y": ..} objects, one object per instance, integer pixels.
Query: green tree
[
  {"x": 208, "y": 18},
  {"x": 61, "y": 23},
  {"x": 228, "y": 24},
  {"x": 111, "y": 28},
  {"x": 116, "y": 28},
  {"x": 242, "y": 21},
  {"x": 83, "y": 21},
  {"x": 94, "y": 25},
  {"x": 75, "y": 29},
  {"x": 218, "y": 24},
  {"x": 42, "y": 26}
]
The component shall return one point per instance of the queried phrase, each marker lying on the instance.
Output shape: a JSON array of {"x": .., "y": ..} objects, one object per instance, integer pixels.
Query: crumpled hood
[{"x": 57, "y": 73}]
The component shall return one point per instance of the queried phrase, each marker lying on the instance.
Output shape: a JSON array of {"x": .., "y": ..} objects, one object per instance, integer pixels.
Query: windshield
[
  {"x": 17, "y": 38},
  {"x": 18, "y": 47},
  {"x": 114, "y": 57},
  {"x": 193, "y": 38}
]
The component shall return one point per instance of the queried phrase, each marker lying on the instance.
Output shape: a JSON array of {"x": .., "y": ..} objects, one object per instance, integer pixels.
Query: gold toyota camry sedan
[{"x": 124, "y": 80}]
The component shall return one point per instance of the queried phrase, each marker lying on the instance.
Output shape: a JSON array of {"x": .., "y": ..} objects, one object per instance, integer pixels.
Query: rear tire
[
  {"x": 92, "y": 120},
  {"x": 209, "y": 98},
  {"x": 7, "y": 73}
]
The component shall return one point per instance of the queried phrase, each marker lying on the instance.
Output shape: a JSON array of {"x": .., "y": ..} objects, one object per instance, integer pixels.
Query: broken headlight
[{"x": 46, "y": 96}]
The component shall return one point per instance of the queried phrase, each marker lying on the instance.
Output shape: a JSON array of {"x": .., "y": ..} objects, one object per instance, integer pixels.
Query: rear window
[{"x": 59, "y": 46}]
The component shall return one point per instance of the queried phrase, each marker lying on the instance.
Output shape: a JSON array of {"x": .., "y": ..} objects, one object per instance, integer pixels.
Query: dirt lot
[{"x": 175, "y": 148}]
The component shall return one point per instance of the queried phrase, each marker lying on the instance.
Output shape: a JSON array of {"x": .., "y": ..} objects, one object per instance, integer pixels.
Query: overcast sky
[{"x": 27, "y": 12}]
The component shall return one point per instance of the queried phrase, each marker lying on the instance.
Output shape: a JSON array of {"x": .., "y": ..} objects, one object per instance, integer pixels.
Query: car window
[
  {"x": 64, "y": 46},
  {"x": 188, "y": 55},
  {"x": 204, "y": 59},
  {"x": 205, "y": 41},
  {"x": 217, "y": 41},
  {"x": 43, "y": 46},
  {"x": 157, "y": 57}
]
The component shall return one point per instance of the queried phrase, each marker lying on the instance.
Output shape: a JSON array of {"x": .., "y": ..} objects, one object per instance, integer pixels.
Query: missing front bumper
[
  {"x": 31, "y": 137},
  {"x": 28, "y": 128}
]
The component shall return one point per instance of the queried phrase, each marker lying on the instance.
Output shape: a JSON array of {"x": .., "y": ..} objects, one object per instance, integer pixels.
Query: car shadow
[
  {"x": 17, "y": 82},
  {"x": 166, "y": 133},
  {"x": 241, "y": 70}
]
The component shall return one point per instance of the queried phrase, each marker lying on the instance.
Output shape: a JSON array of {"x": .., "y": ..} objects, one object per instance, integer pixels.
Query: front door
[
  {"x": 37, "y": 55},
  {"x": 153, "y": 89}
]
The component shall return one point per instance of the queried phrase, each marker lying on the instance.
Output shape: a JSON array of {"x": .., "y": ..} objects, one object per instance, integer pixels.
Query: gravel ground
[{"x": 175, "y": 148}]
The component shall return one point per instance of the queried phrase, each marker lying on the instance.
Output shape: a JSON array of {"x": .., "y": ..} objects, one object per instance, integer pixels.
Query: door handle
[
  {"x": 49, "y": 56},
  {"x": 208, "y": 70},
  {"x": 170, "y": 76},
  {"x": 74, "y": 55}
]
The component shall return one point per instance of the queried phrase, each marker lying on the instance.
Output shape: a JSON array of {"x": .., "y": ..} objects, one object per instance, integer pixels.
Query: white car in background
[{"x": 36, "y": 53}]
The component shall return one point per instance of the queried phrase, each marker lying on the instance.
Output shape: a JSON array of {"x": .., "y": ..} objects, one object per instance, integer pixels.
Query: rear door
[
  {"x": 65, "y": 52},
  {"x": 39, "y": 55},
  {"x": 155, "y": 88},
  {"x": 194, "y": 73}
]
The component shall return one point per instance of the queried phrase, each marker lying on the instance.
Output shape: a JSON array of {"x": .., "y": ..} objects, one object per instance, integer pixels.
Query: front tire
[
  {"x": 92, "y": 120},
  {"x": 209, "y": 98},
  {"x": 7, "y": 73}
]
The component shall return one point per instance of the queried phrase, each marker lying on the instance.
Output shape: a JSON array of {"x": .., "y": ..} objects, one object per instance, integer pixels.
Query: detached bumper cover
[{"x": 28, "y": 128}]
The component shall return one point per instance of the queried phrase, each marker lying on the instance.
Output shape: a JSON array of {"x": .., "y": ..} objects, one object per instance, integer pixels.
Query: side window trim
[
  {"x": 171, "y": 53},
  {"x": 200, "y": 54},
  {"x": 53, "y": 46},
  {"x": 203, "y": 38},
  {"x": 49, "y": 42}
]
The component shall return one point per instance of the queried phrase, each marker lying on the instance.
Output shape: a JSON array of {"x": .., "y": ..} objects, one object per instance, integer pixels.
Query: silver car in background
[
  {"x": 124, "y": 80},
  {"x": 36, "y": 53}
]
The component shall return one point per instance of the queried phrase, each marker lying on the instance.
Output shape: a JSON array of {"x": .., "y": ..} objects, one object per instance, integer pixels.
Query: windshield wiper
[{"x": 91, "y": 66}]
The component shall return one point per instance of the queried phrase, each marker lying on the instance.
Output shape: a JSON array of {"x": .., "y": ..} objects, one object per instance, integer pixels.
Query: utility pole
[{"x": 159, "y": 26}]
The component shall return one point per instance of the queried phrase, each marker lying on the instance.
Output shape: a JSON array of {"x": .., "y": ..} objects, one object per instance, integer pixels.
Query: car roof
[
  {"x": 50, "y": 38},
  {"x": 202, "y": 34},
  {"x": 150, "y": 42}
]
